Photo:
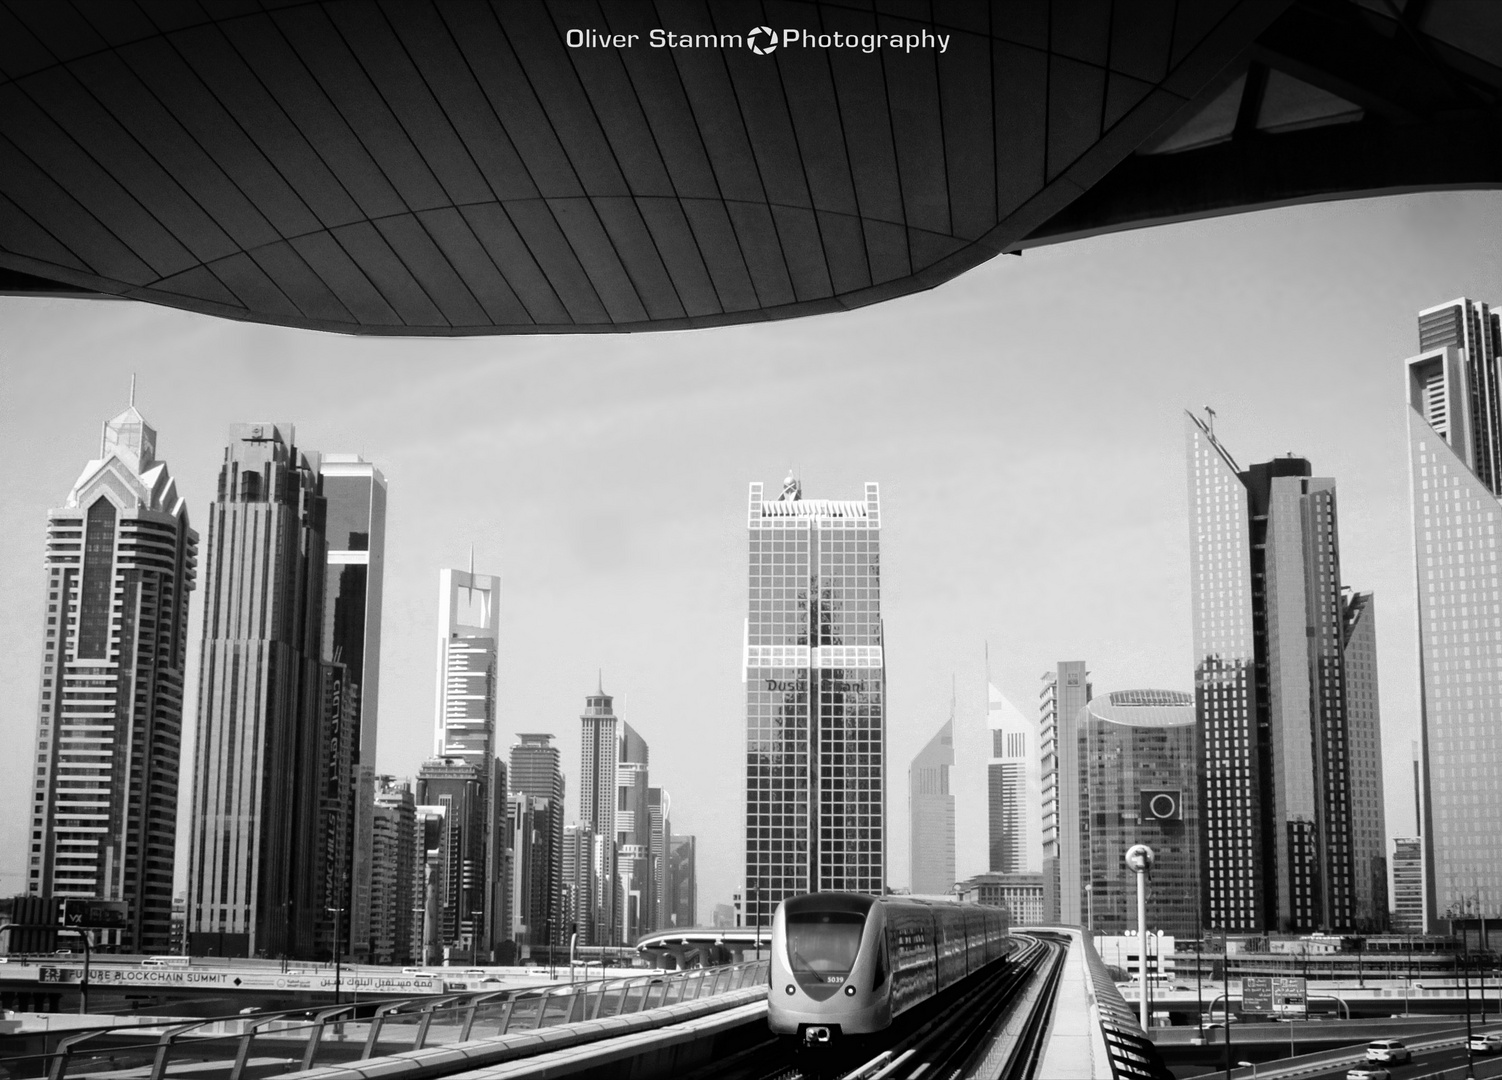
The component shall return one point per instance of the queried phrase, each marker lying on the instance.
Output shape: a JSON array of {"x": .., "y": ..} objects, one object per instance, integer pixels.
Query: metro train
[{"x": 847, "y": 963}]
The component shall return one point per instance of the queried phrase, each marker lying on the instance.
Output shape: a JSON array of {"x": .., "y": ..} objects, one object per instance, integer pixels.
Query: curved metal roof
[{"x": 447, "y": 168}]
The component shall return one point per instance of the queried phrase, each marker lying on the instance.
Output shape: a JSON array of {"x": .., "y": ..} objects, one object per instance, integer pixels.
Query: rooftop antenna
[
  {"x": 132, "y": 389},
  {"x": 988, "y": 663},
  {"x": 601, "y": 684},
  {"x": 471, "y": 560}
]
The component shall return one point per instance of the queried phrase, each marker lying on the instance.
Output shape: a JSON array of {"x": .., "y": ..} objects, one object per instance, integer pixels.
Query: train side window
[{"x": 881, "y": 966}]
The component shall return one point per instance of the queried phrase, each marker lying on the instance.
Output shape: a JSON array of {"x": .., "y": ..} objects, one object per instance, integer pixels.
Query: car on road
[
  {"x": 1387, "y": 1051},
  {"x": 1490, "y": 1043},
  {"x": 1368, "y": 1072}
]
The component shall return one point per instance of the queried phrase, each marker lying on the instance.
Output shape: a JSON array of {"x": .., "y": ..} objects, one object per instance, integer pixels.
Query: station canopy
[{"x": 427, "y": 167}]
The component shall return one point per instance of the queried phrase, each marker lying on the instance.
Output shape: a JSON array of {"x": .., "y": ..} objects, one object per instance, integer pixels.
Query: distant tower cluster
[{"x": 121, "y": 561}]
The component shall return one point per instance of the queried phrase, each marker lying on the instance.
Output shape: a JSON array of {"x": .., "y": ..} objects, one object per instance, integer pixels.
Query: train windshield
[{"x": 822, "y": 944}]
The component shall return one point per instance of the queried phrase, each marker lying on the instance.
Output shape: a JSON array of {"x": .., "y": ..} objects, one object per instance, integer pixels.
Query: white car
[
  {"x": 1368, "y": 1072},
  {"x": 1486, "y": 1044},
  {"x": 1387, "y": 1051}
]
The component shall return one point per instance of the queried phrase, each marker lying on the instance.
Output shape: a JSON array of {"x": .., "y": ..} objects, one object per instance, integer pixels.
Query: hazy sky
[{"x": 1024, "y": 422}]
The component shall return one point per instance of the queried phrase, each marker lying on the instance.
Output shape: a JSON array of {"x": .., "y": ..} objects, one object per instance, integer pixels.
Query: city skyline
[{"x": 562, "y": 531}]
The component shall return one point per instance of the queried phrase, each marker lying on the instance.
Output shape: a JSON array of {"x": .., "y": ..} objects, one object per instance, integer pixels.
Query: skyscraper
[
  {"x": 120, "y": 564},
  {"x": 535, "y": 771},
  {"x": 464, "y": 869},
  {"x": 1364, "y": 736},
  {"x": 1270, "y": 633},
  {"x": 1455, "y": 456},
  {"x": 395, "y": 892},
  {"x": 253, "y": 869},
  {"x": 659, "y": 808},
  {"x": 1014, "y": 787},
  {"x": 633, "y": 837},
  {"x": 931, "y": 809},
  {"x": 1066, "y": 690},
  {"x": 685, "y": 903},
  {"x": 815, "y": 699},
  {"x": 1137, "y": 757},
  {"x": 466, "y": 726},
  {"x": 613, "y": 803},
  {"x": 355, "y": 528}
]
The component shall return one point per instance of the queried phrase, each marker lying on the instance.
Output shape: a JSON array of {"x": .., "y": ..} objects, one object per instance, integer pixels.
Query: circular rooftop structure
[
  {"x": 459, "y": 168},
  {"x": 1144, "y": 708}
]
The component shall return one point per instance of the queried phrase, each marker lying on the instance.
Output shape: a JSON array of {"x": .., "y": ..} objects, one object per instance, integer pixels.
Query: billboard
[
  {"x": 1162, "y": 804},
  {"x": 96, "y": 914}
]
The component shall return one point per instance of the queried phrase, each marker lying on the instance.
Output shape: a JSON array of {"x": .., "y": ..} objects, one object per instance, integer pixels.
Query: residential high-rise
[
  {"x": 685, "y": 901},
  {"x": 1454, "y": 394},
  {"x": 931, "y": 809},
  {"x": 461, "y": 793},
  {"x": 395, "y": 854},
  {"x": 815, "y": 699},
  {"x": 1065, "y": 692},
  {"x": 633, "y": 837},
  {"x": 1280, "y": 799},
  {"x": 604, "y": 740},
  {"x": 659, "y": 809},
  {"x": 120, "y": 563},
  {"x": 533, "y": 899},
  {"x": 1407, "y": 885},
  {"x": 588, "y": 880},
  {"x": 253, "y": 865},
  {"x": 1364, "y": 736},
  {"x": 1138, "y": 768},
  {"x": 354, "y": 492},
  {"x": 535, "y": 771},
  {"x": 466, "y": 729}
]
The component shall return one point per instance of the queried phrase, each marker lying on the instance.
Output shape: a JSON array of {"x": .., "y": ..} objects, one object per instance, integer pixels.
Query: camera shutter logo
[
  {"x": 754, "y": 40},
  {"x": 1162, "y": 805}
]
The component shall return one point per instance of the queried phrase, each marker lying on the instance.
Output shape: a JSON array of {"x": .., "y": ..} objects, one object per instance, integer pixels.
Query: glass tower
[
  {"x": 815, "y": 699},
  {"x": 1138, "y": 768},
  {"x": 253, "y": 866},
  {"x": 120, "y": 564},
  {"x": 1455, "y": 456},
  {"x": 355, "y": 528},
  {"x": 1275, "y": 638},
  {"x": 535, "y": 771}
]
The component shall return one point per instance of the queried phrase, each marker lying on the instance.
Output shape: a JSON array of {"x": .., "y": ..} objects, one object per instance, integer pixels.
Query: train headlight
[
  {"x": 850, "y": 990},
  {"x": 790, "y": 988}
]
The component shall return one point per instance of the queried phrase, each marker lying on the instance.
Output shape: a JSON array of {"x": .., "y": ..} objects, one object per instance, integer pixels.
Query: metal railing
[{"x": 252, "y": 1047}]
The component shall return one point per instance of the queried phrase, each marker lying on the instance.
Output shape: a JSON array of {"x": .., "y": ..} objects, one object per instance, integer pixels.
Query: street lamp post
[
  {"x": 1139, "y": 860},
  {"x": 338, "y": 913}
]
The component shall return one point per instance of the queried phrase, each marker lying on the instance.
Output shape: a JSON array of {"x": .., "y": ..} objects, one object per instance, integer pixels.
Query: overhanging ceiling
[{"x": 455, "y": 168}]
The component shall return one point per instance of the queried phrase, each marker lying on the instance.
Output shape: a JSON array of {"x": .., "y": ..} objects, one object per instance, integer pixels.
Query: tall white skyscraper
[
  {"x": 815, "y": 699},
  {"x": 1454, "y": 393},
  {"x": 465, "y": 721},
  {"x": 1066, "y": 690},
  {"x": 1014, "y": 781},
  {"x": 120, "y": 563}
]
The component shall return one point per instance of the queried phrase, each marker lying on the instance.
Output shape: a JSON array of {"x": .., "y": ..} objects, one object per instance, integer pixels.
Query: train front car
[
  {"x": 846, "y": 964},
  {"x": 828, "y": 971}
]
